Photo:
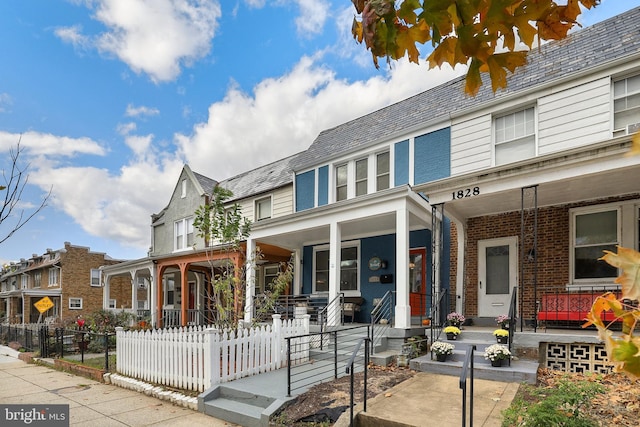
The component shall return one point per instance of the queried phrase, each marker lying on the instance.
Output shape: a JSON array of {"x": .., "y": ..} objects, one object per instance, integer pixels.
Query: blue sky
[{"x": 109, "y": 98}]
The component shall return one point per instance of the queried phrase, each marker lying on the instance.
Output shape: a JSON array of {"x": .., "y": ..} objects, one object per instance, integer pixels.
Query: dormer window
[
  {"x": 382, "y": 171},
  {"x": 626, "y": 106},
  {"x": 515, "y": 136},
  {"x": 341, "y": 182},
  {"x": 361, "y": 177},
  {"x": 263, "y": 208}
]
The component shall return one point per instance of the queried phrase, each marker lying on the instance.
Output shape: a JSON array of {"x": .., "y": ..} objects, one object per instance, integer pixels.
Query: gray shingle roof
[
  {"x": 206, "y": 183},
  {"x": 601, "y": 43},
  {"x": 260, "y": 180}
]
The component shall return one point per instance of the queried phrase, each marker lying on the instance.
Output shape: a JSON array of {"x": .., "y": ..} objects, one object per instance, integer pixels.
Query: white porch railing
[{"x": 198, "y": 357}]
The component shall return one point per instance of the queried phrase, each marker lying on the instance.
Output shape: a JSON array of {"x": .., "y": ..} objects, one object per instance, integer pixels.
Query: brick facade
[{"x": 553, "y": 250}]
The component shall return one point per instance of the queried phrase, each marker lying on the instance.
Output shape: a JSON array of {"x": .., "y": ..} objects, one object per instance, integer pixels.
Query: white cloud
[
  {"x": 126, "y": 128},
  {"x": 74, "y": 36},
  {"x": 45, "y": 144},
  {"x": 5, "y": 101},
  {"x": 283, "y": 116},
  {"x": 155, "y": 37},
  {"x": 141, "y": 111},
  {"x": 313, "y": 14}
]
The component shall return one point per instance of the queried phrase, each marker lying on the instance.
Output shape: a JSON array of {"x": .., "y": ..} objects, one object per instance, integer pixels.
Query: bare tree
[{"x": 15, "y": 181}]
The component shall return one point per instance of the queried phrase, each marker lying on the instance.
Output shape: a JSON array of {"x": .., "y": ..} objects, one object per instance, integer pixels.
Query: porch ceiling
[{"x": 377, "y": 216}]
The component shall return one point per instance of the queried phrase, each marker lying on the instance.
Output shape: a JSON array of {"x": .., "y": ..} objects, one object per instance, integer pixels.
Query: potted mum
[
  {"x": 502, "y": 335},
  {"x": 452, "y": 332},
  {"x": 496, "y": 353},
  {"x": 455, "y": 319},
  {"x": 442, "y": 350},
  {"x": 503, "y": 321}
]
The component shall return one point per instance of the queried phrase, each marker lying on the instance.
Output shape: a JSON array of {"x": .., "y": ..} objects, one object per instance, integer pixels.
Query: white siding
[
  {"x": 282, "y": 201},
  {"x": 471, "y": 145},
  {"x": 575, "y": 117}
]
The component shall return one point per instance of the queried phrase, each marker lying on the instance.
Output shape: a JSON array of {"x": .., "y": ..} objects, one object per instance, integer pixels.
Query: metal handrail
[
  {"x": 323, "y": 314},
  {"x": 467, "y": 366},
  {"x": 437, "y": 316},
  {"x": 350, "y": 370},
  {"x": 382, "y": 310},
  {"x": 513, "y": 314}
]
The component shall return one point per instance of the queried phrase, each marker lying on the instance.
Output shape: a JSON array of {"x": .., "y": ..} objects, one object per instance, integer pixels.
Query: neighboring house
[
  {"x": 176, "y": 275},
  {"x": 527, "y": 185},
  {"x": 70, "y": 277}
]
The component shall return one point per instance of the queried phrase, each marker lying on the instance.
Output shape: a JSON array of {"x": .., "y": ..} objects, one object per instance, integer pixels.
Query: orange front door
[{"x": 417, "y": 281}]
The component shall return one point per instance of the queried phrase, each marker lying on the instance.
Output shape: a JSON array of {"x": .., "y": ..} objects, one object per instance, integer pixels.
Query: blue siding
[
  {"x": 383, "y": 247},
  {"x": 305, "y": 183},
  {"x": 432, "y": 156},
  {"x": 323, "y": 185},
  {"x": 401, "y": 163}
]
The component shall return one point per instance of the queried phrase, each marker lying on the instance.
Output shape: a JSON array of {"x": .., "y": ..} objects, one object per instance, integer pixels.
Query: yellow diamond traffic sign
[{"x": 43, "y": 304}]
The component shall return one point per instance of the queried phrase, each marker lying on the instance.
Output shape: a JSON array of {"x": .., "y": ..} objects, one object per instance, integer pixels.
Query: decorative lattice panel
[{"x": 576, "y": 357}]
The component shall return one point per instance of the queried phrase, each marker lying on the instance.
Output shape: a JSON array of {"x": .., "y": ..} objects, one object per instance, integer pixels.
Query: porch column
[
  {"x": 403, "y": 309},
  {"x": 151, "y": 295},
  {"x": 250, "y": 285},
  {"x": 134, "y": 293},
  {"x": 462, "y": 238},
  {"x": 106, "y": 292},
  {"x": 335, "y": 246},
  {"x": 159, "y": 296},
  {"x": 297, "y": 270},
  {"x": 184, "y": 294}
]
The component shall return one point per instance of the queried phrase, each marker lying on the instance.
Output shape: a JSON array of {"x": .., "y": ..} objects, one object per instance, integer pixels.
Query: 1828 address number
[{"x": 466, "y": 192}]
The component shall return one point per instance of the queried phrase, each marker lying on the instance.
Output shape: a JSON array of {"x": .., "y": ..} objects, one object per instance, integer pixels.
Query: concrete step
[
  {"x": 519, "y": 371},
  {"x": 238, "y": 406}
]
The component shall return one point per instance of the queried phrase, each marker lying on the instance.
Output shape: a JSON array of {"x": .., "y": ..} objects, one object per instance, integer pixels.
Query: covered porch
[{"x": 367, "y": 246}]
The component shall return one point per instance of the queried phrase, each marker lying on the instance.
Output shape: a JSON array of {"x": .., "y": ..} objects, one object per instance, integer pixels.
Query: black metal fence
[{"x": 51, "y": 342}]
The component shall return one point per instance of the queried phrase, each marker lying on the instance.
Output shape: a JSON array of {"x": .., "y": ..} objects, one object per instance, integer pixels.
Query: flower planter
[
  {"x": 441, "y": 357},
  {"x": 502, "y": 340},
  {"x": 452, "y": 337},
  {"x": 496, "y": 363}
]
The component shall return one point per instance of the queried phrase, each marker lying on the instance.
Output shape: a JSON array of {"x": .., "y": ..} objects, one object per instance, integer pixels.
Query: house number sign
[{"x": 466, "y": 192}]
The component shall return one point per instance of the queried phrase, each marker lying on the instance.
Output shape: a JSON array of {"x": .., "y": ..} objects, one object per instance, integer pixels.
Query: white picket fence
[{"x": 196, "y": 357}]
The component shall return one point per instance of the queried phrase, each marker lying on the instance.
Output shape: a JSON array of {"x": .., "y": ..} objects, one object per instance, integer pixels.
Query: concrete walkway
[
  {"x": 428, "y": 399},
  {"x": 90, "y": 402}
]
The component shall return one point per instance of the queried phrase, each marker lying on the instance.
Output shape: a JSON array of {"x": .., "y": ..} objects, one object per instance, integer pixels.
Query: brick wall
[
  {"x": 77, "y": 263},
  {"x": 552, "y": 253}
]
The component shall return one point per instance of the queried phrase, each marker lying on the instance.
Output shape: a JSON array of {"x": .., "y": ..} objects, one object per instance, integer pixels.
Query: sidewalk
[{"x": 90, "y": 402}]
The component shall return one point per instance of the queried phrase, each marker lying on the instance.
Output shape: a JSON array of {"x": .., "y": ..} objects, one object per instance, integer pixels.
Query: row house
[
  {"x": 439, "y": 195},
  {"x": 69, "y": 280},
  {"x": 478, "y": 197},
  {"x": 175, "y": 277}
]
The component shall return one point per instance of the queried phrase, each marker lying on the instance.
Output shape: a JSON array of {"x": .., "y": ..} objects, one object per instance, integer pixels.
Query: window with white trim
[
  {"x": 143, "y": 305},
  {"x": 515, "y": 136},
  {"x": 24, "y": 282},
  {"x": 53, "y": 276},
  {"x": 183, "y": 189},
  {"x": 113, "y": 303},
  {"x": 270, "y": 273},
  {"x": 263, "y": 208},
  {"x": 626, "y": 105},
  {"x": 383, "y": 172},
  {"x": 349, "y": 261},
  {"x": 96, "y": 275},
  {"x": 341, "y": 182},
  {"x": 37, "y": 279},
  {"x": 594, "y": 231},
  {"x": 75, "y": 303},
  {"x": 183, "y": 234},
  {"x": 361, "y": 176}
]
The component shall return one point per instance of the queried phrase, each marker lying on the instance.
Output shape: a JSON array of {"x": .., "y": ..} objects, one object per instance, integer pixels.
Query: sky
[{"x": 108, "y": 100}]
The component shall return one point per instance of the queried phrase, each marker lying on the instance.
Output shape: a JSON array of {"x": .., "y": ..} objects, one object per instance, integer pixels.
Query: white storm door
[{"x": 497, "y": 275}]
